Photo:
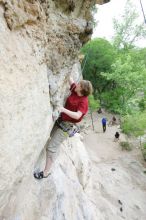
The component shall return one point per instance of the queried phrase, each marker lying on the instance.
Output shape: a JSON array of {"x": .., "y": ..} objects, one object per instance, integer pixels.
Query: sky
[{"x": 108, "y": 11}]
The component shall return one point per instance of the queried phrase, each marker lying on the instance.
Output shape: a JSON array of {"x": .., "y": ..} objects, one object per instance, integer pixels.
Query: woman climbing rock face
[{"x": 76, "y": 107}]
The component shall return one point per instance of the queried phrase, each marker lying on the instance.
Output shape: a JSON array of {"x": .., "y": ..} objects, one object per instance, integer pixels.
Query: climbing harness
[{"x": 70, "y": 128}]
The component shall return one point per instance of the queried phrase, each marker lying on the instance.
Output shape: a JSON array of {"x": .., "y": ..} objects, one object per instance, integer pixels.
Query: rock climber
[{"x": 76, "y": 107}]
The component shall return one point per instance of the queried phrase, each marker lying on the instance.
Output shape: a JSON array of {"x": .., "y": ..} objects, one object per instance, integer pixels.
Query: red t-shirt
[{"x": 75, "y": 103}]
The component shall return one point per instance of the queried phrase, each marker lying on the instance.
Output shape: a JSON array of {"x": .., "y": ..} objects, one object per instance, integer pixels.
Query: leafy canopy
[
  {"x": 99, "y": 55},
  {"x": 127, "y": 30},
  {"x": 127, "y": 79},
  {"x": 135, "y": 124}
]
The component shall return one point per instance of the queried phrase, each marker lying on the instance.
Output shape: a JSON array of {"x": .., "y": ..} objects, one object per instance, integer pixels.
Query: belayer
[{"x": 76, "y": 107}]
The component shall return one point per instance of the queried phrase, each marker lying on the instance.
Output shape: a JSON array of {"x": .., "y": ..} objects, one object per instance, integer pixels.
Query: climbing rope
[{"x": 85, "y": 61}]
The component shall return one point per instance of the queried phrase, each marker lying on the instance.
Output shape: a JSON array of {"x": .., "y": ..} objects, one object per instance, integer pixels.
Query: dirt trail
[
  {"x": 101, "y": 146},
  {"x": 119, "y": 183}
]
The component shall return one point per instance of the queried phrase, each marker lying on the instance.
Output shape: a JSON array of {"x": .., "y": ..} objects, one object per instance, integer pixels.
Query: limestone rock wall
[
  {"x": 39, "y": 46},
  {"x": 25, "y": 111}
]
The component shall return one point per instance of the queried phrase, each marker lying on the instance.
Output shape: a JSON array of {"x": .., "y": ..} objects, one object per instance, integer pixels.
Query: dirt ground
[
  {"x": 103, "y": 144},
  {"x": 118, "y": 178}
]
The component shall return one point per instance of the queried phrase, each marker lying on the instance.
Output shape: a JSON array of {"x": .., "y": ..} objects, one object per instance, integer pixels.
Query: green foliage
[
  {"x": 127, "y": 79},
  {"x": 138, "y": 55},
  {"x": 134, "y": 124},
  {"x": 118, "y": 71},
  {"x": 144, "y": 154},
  {"x": 144, "y": 151},
  {"x": 144, "y": 145},
  {"x": 142, "y": 104},
  {"x": 99, "y": 55},
  {"x": 117, "y": 78},
  {"x": 125, "y": 146},
  {"x": 128, "y": 31},
  {"x": 94, "y": 104}
]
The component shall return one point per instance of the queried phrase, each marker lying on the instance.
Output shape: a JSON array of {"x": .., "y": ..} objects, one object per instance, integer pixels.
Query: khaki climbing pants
[
  {"x": 56, "y": 139},
  {"x": 60, "y": 132}
]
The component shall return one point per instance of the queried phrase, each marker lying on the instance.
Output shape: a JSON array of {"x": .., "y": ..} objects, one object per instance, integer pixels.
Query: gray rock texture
[
  {"x": 39, "y": 50},
  {"x": 39, "y": 47}
]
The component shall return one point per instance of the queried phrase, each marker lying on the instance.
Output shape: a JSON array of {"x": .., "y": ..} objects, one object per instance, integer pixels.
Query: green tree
[
  {"x": 127, "y": 30},
  {"x": 134, "y": 124},
  {"x": 138, "y": 55},
  {"x": 128, "y": 80},
  {"x": 93, "y": 104},
  {"x": 99, "y": 55},
  {"x": 118, "y": 71}
]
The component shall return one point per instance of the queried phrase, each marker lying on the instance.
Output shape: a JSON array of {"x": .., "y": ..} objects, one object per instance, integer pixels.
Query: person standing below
[
  {"x": 76, "y": 107},
  {"x": 117, "y": 136},
  {"x": 104, "y": 124},
  {"x": 114, "y": 120},
  {"x": 99, "y": 111}
]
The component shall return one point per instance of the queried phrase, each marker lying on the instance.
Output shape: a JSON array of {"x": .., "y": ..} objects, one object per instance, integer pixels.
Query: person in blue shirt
[{"x": 104, "y": 124}]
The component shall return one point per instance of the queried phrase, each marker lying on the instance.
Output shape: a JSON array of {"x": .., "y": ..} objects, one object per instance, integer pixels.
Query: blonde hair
[{"x": 86, "y": 87}]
